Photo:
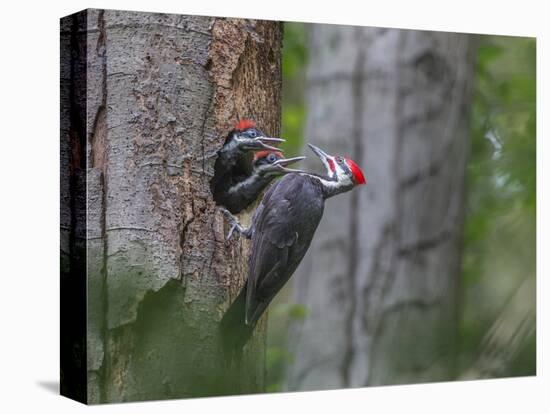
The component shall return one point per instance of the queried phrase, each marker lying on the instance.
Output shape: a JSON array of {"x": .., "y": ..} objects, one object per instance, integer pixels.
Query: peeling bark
[
  {"x": 380, "y": 278},
  {"x": 163, "y": 91}
]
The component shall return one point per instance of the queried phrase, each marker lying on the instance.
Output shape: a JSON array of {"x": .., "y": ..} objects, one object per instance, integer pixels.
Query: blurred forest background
[{"x": 496, "y": 287}]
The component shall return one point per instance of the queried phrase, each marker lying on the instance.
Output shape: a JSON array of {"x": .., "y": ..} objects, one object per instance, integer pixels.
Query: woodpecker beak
[
  {"x": 259, "y": 143},
  {"x": 279, "y": 167},
  {"x": 270, "y": 139},
  {"x": 283, "y": 162},
  {"x": 265, "y": 141},
  {"x": 323, "y": 156}
]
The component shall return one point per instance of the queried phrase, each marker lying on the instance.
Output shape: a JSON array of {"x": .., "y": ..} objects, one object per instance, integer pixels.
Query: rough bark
[
  {"x": 162, "y": 93},
  {"x": 380, "y": 279}
]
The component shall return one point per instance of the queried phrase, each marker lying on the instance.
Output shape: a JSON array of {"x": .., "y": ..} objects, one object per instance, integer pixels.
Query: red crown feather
[
  {"x": 245, "y": 124},
  {"x": 356, "y": 171},
  {"x": 261, "y": 154}
]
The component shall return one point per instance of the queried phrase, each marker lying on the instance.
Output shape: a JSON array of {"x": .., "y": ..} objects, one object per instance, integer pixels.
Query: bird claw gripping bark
[{"x": 235, "y": 225}]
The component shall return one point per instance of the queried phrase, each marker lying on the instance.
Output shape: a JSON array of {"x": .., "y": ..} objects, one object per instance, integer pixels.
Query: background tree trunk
[
  {"x": 380, "y": 279},
  {"x": 162, "y": 93}
]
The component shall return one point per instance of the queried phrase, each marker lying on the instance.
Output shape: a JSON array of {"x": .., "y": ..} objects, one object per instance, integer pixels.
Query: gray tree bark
[
  {"x": 162, "y": 93},
  {"x": 380, "y": 279}
]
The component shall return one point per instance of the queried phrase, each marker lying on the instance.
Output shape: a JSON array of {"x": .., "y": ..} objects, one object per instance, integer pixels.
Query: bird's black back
[{"x": 283, "y": 227}]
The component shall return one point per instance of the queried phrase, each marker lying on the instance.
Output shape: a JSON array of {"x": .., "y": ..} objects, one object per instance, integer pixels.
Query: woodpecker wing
[{"x": 284, "y": 225}]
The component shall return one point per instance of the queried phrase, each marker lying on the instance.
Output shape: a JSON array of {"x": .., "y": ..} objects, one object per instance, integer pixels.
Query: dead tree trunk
[
  {"x": 380, "y": 279},
  {"x": 161, "y": 93}
]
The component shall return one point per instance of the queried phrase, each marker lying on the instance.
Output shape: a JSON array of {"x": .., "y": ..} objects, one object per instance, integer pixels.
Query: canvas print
[{"x": 253, "y": 206}]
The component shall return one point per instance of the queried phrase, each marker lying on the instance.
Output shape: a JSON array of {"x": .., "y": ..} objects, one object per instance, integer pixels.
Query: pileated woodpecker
[
  {"x": 282, "y": 228},
  {"x": 235, "y": 164}
]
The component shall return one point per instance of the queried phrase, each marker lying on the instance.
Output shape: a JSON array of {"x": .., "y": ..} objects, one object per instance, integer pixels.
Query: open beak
[
  {"x": 270, "y": 139},
  {"x": 265, "y": 141},
  {"x": 322, "y": 155},
  {"x": 284, "y": 162}
]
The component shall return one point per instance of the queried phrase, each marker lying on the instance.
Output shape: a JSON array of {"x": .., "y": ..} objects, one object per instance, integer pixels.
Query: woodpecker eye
[
  {"x": 252, "y": 133},
  {"x": 271, "y": 158},
  {"x": 339, "y": 160}
]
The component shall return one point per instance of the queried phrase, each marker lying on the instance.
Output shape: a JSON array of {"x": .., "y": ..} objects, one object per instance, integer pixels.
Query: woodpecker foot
[{"x": 235, "y": 225}]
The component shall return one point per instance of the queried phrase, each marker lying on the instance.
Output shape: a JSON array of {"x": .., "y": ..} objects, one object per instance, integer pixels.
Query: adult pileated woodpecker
[
  {"x": 235, "y": 164},
  {"x": 282, "y": 229}
]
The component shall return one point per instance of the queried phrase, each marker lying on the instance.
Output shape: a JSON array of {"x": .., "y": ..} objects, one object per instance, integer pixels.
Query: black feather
[{"x": 282, "y": 232}]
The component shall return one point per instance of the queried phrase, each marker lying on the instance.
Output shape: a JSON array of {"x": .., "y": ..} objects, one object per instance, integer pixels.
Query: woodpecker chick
[
  {"x": 243, "y": 190},
  {"x": 273, "y": 163},
  {"x": 282, "y": 228},
  {"x": 247, "y": 137},
  {"x": 239, "y": 146},
  {"x": 239, "y": 172}
]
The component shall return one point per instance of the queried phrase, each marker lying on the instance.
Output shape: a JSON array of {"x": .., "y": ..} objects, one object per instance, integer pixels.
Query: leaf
[{"x": 298, "y": 312}]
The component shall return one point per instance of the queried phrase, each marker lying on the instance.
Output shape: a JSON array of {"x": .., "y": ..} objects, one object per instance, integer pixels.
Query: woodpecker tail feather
[{"x": 235, "y": 333}]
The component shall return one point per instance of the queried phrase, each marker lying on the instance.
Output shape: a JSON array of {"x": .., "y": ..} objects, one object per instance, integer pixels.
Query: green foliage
[
  {"x": 298, "y": 312},
  {"x": 501, "y": 172},
  {"x": 280, "y": 316},
  {"x": 277, "y": 357},
  {"x": 504, "y": 109},
  {"x": 501, "y": 202},
  {"x": 293, "y": 120},
  {"x": 294, "y": 63},
  {"x": 295, "y": 50},
  {"x": 290, "y": 310}
]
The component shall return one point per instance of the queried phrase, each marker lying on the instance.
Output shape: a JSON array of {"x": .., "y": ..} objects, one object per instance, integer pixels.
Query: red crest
[
  {"x": 245, "y": 124},
  {"x": 356, "y": 171},
  {"x": 261, "y": 154}
]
